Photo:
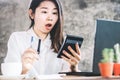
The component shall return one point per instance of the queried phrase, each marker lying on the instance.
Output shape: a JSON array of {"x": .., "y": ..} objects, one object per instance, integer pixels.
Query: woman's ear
[{"x": 31, "y": 14}]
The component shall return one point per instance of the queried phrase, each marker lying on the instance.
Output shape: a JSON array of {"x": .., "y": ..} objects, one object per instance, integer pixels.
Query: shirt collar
[{"x": 32, "y": 33}]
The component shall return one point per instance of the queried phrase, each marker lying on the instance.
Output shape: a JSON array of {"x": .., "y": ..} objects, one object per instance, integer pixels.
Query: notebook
[{"x": 107, "y": 34}]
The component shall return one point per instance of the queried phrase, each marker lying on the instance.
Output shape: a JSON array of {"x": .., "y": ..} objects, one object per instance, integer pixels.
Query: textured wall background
[{"x": 79, "y": 16}]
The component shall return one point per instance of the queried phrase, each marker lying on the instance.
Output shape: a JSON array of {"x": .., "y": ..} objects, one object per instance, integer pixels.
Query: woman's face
[{"x": 45, "y": 17}]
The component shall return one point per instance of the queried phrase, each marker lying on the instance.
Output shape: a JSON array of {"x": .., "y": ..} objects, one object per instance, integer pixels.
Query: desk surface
[
  {"x": 91, "y": 78},
  {"x": 64, "y": 78}
]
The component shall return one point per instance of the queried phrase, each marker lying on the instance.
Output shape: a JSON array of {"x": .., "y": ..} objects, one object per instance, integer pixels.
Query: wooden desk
[
  {"x": 91, "y": 78},
  {"x": 67, "y": 78}
]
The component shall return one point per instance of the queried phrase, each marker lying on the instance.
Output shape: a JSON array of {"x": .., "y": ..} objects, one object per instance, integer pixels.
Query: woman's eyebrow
[
  {"x": 44, "y": 8},
  {"x": 47, "y": 8}
]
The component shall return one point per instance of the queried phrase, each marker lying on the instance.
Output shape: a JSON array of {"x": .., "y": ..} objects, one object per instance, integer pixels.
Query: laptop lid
[{"x": 107, "y": 34}]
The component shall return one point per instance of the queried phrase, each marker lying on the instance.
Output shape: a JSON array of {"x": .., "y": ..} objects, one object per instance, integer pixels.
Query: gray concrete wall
[{"x": 79, "y": 16}]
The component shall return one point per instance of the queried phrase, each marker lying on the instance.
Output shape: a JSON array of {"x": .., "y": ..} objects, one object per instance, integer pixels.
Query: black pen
[{"x": 38, "y": 49}]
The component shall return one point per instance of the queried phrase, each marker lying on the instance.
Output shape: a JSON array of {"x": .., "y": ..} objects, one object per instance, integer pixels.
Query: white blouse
[{"x": 48, "y": 62}]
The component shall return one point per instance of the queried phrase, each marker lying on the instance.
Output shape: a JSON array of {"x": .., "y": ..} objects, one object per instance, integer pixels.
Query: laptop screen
[{"x": 107, "y": 34}]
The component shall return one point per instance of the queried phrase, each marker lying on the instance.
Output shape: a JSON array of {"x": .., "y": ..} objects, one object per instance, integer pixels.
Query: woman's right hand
[{"x": 28, "y": 58}]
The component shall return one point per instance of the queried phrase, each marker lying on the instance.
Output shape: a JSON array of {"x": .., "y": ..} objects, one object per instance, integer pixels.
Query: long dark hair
[{"x": 56, "y": 33}]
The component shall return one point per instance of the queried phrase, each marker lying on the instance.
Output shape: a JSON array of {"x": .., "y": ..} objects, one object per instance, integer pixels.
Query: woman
[{"x": 46, "y": 28}]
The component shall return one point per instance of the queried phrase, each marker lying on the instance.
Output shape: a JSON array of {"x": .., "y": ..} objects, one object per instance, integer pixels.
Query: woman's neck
[{"x": 41, "y": 35}]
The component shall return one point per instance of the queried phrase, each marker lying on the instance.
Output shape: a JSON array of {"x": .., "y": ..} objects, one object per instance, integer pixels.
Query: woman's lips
[{"x": 48, "y": 26}]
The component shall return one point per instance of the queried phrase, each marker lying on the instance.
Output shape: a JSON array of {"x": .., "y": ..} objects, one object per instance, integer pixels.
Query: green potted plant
[
  {"x": 106, "y": 63},
  {"x": 117, "y": 60}
]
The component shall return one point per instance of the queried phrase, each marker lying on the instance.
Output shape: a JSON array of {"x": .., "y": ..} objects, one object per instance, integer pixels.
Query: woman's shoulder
[
  {"x": 18, "y": 33},
  {"x": 17, "y": 36}
]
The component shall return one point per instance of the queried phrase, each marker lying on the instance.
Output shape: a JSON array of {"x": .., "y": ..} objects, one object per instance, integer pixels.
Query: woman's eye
[
  {"x": 44, "y": 11},
  {"x": 55, "y": 13}
]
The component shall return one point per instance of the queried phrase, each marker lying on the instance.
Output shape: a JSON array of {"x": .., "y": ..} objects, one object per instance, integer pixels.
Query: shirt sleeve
[{"x": 13, "y": 53}]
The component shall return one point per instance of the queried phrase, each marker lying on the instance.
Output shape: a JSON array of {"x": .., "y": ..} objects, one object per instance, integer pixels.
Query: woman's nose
[{"x": 49, "y": 18}]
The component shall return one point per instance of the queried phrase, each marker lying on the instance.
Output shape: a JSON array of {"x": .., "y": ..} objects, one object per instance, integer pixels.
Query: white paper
[{"x": 52, "y": 76}]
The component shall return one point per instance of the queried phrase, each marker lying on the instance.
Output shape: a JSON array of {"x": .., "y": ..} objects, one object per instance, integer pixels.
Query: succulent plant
[
  {"x": 117, "y": 53},
  {"x": 108, "y": 55}
]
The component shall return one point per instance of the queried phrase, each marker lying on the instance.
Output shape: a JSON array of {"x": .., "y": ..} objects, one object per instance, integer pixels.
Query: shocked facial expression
[{"x": 46, "y": 16}]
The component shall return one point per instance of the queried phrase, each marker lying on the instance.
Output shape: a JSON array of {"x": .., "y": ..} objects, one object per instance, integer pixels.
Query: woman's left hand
[{"x": 73, "y": 60}]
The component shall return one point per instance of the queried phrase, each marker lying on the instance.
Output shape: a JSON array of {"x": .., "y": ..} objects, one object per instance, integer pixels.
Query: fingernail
[
  {"x": 68, "y": 47},
  {"x": 63, "y": 51}
]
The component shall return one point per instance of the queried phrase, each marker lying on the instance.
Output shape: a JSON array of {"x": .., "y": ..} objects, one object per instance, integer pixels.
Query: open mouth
[{"x": 48, "y": 25}]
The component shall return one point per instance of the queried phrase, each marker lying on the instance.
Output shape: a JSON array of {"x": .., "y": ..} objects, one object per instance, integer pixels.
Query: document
[{"x": 52, "y": 76}]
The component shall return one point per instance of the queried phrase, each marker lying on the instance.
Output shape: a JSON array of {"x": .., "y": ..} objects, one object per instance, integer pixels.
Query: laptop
[{"x": 107, "y": 34}]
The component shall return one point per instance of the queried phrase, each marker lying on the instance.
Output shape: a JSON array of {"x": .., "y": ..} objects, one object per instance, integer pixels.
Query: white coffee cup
[{"x": 11, "y": 69}]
